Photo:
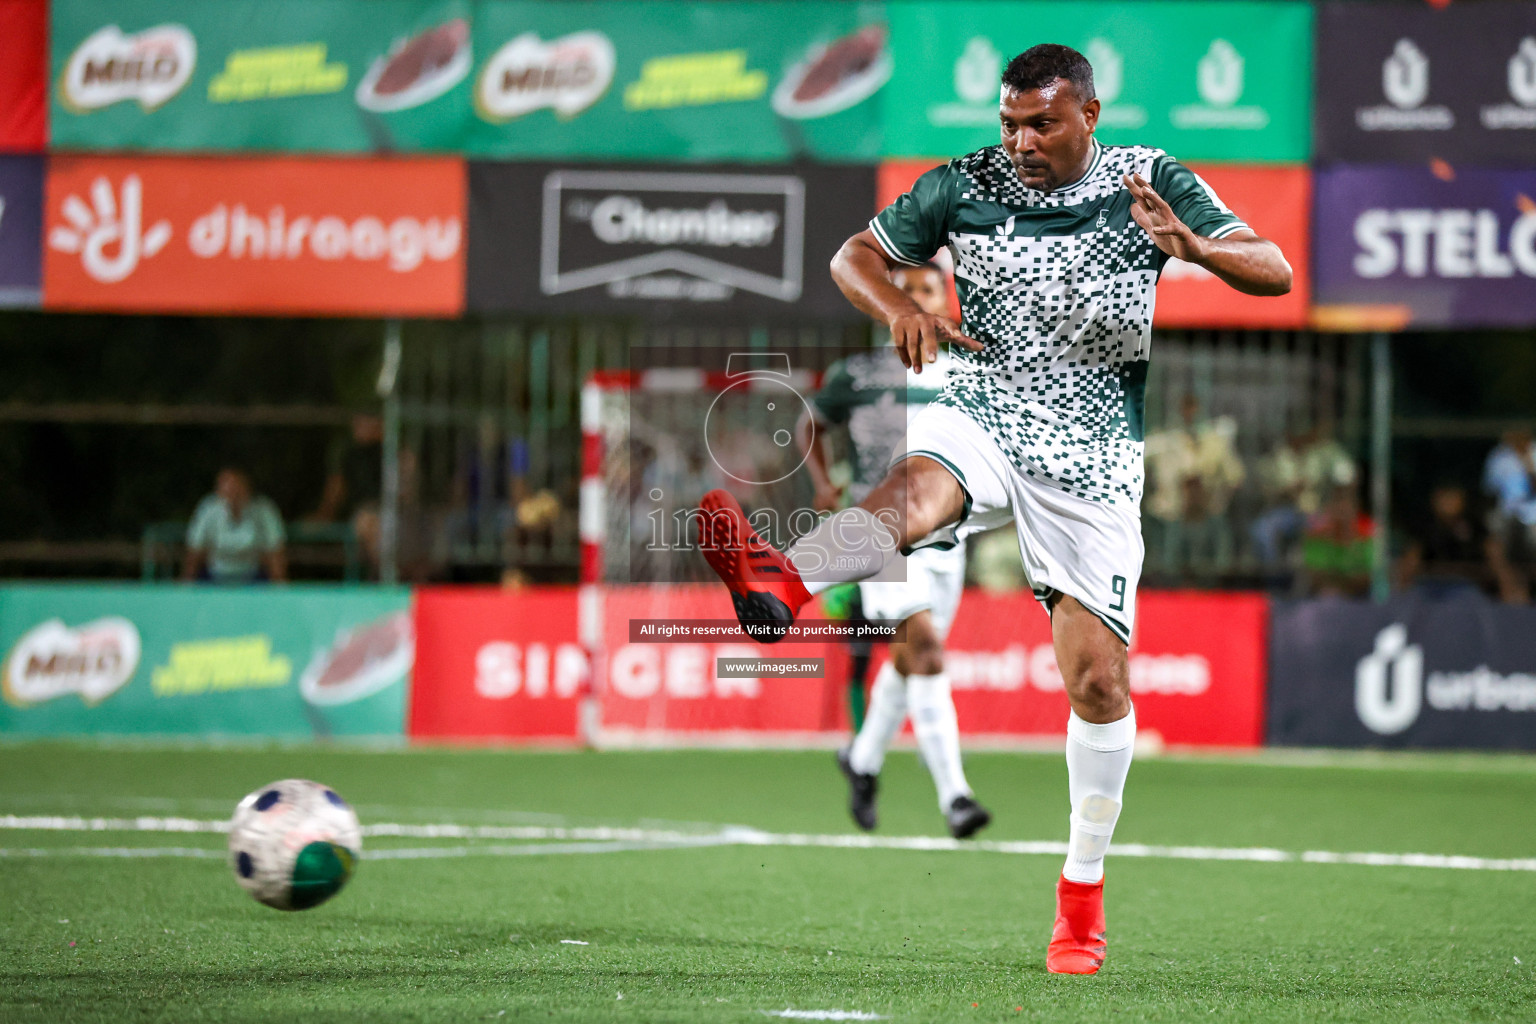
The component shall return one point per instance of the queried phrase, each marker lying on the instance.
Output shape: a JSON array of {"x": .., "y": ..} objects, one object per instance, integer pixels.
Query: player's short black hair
[{"x": 1041, "y": 65}]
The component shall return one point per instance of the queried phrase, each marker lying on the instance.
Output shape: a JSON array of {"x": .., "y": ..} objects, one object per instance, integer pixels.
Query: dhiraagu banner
[
  {"x": 666, "y": 79},
  {"x": 1205, "y": 81},
  {"x": 283, "y": 662}
]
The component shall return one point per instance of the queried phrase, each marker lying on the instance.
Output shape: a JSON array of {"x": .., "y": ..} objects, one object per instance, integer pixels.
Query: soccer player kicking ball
[
  {"x": 1058, "y": 242},
  {"x": 874, "y": 395}
]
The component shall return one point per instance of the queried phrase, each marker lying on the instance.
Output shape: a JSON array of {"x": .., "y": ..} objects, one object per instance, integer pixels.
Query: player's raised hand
[
  {"x": 1157, "y": 219},
  {"x": 917, "y": 337}
]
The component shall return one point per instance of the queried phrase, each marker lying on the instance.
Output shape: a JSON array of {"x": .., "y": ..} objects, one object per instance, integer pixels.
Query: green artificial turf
[{"x": 724, "y": 933}]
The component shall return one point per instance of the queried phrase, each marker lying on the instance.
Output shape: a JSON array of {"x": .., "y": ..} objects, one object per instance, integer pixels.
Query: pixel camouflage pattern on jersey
[{"x": 1059, "y": 288}]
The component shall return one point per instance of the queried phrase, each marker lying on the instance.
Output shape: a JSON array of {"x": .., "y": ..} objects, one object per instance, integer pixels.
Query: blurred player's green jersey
[
  {"x": 1059, "y": 288},
  {"x": 874, "y": 395}
]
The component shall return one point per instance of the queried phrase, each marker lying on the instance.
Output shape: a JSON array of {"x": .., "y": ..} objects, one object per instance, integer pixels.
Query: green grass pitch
[{"x": 471, "y": 929}]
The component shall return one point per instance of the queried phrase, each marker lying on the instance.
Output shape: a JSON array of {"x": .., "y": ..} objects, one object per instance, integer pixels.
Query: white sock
[
  {"x": 882, "y": 721},
  {"x": 844, "y": 547},
  {"x": 938, "y": 734},
  {"x": 1098, "y": 759}
]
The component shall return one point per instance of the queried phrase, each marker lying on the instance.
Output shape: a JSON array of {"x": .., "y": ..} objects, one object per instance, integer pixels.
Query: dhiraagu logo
[
  {"x": 1219, "y": 81},
  {"x": 1109, "y": 82}
]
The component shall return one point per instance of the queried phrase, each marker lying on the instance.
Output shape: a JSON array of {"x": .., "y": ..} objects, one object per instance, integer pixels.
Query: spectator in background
[
  {"x": 355, "y": 483},
  {"x": 1509, "y": 477},
  {"x": 235, "y": 537},
  {"x": 1450, "y": 551},
  {"x": 1194, "y": 469},
  {"x": 1296, "y": 478},
  {"x": 1336, "y": 553}
]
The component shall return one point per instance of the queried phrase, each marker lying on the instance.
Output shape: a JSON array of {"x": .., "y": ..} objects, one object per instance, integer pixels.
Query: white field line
[{"x": 612, "y": 839}]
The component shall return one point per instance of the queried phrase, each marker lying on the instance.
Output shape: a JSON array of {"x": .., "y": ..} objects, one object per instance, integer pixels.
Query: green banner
[
  {"x": 1205, "y": 81},
  {"x": 669, "y": 79},
  {"x": 287, "y": 662}
]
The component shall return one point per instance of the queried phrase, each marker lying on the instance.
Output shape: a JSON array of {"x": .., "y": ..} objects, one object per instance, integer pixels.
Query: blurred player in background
[
  {"x": 1058, "y": 243},
  {"x": 874, "y": 396}
]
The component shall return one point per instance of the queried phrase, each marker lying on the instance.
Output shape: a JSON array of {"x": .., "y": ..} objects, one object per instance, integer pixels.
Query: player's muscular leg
[
  {"x": 922, "y": 653},
  {"x": 1093, "y": 662},
  {"x": 916, "y": 497}
]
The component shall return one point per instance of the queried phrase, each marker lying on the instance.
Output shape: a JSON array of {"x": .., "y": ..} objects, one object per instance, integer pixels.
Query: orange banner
[
  {"x": 283, "y": 236},
  {"x": 1274, "y": 201}
]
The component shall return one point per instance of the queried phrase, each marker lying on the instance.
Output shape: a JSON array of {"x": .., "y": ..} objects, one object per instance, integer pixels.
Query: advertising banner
[
  {"x": 23, "y": 76},
  {"x": 1432, "y": 246},
  {"x": 1273, "y": 200},
  {"x": 662, "y": 241},
  {"x": 661, "y": 688},
  {"x": 1458, "y": 672},
  {"x": 492, "y": 664},
  {"x": 1197, "y": 668},
  {"x": 1407, "y": 82},
  {"x": 292, "y": 662},
  {"x": 1226, "y": 81},
  {"x": 280, "y": 236},
  {"x": 555, "y": 78},
  {"x": 21, "y": 229}
]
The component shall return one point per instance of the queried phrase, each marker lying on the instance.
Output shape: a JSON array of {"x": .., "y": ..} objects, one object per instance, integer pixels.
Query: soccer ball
[{"x": 293, "y": 844}]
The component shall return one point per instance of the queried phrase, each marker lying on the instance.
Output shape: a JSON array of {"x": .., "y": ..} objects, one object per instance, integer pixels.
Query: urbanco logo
[
  {"x": 1521, "y": 77},
  {"x": 1389, "y": 682},
  {"x": 108, "y": 235},
  {"x": 1219, "y": 80},
  {"x": 1405, "y": 79}
]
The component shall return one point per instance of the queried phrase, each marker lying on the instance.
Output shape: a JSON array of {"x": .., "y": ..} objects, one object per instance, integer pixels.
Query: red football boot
[
  {"x": 1078, "y": 942},
  {"x": 765, "y": 588}
]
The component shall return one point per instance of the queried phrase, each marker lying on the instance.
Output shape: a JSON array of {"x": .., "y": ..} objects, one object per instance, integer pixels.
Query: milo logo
[
  {"x": 149, "y": 66},
  {"x": 94, "y": 660},
  {"x": 567, "y": 75}
]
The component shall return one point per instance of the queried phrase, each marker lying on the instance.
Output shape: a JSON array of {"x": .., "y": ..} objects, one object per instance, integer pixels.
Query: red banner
[
  {"x": 1198, "y": 664},
  {"x": 493, "y": 664},
  {"x": 23, "y": 76},
  {"x": 670, "y": 688},
  {"x": 1274, "y": 201},
  {"x": 281, "y": 236}
]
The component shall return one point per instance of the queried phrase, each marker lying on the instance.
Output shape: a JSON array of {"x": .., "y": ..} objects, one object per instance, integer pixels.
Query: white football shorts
[
  {"x": 1088, "y": 550},
  {"x": 935, "y": 579}
]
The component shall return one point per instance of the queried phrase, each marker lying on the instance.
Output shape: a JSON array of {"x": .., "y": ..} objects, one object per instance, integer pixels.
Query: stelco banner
[
  {"x": 1434, "y": 246},
  {"x": 661, "y": 241},
  {"x": 1408, "y": 673},
  {"x": 1409, "y": 81},
  {"x": 1273, "y": 200},
  {"x": 555, "y": 78},
  {"x": 1227, "y": 81},
  {"x": 284, "y": 662},
  {"x": 282, "y": 236},
  {"x": 21, "y": 223},
  {"x": 23, "y": 76}
]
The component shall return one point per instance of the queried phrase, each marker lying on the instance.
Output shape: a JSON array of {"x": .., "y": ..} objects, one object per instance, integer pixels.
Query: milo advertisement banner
[
  {"x": 280, "y": 662},
  {"x": 1205, "y": 81},
  {"x": 666, "y": 79}
]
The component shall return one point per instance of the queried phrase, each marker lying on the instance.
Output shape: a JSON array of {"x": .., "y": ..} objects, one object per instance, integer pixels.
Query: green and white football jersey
[
  {"x": 1059, "y": 288},
  {"x": 874, "y": 396}
]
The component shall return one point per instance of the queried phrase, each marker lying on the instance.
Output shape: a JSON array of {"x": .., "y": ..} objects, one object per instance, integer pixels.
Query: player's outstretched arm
[
  {"x": 1252, "y": 265},
  {"x": 862, "y": 269}
]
